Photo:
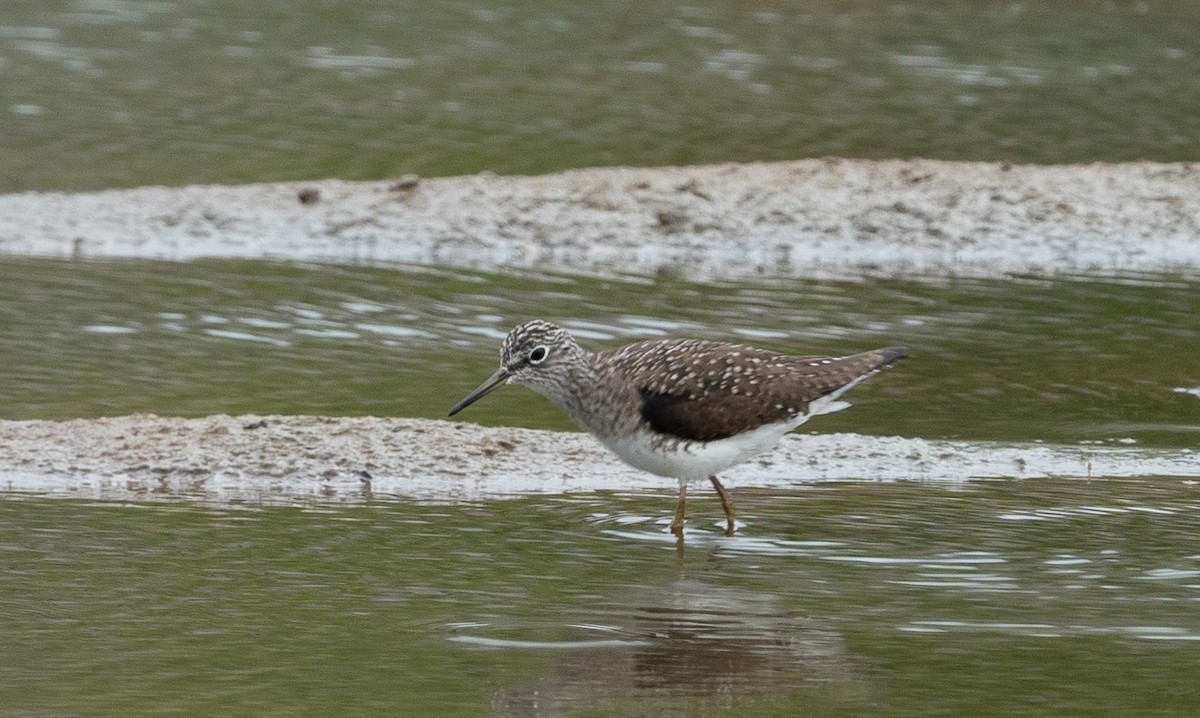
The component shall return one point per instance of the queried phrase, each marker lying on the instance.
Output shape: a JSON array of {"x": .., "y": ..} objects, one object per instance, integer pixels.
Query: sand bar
[
  {"x": 278, "y": 459},
  {"x": 817, "y": 218}
]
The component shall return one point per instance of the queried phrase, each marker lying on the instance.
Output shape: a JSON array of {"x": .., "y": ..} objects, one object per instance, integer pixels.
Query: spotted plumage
[
  {"x": 704, "y": 391},
  {"x": 684, "y": 408}
]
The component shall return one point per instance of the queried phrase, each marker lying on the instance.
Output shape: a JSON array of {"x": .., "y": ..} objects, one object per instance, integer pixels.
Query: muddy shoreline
[
  {"x": 807, "y": 218},
  {"x": 278, "y": 459}
]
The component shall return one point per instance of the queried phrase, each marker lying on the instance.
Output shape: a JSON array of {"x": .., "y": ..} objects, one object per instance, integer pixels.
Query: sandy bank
[
  {"x": 282, "y": 458},
  {"x": 803, "y": 218}
]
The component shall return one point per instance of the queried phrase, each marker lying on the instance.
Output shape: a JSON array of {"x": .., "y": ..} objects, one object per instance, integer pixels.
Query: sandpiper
[{"x": 682, "y": 408}]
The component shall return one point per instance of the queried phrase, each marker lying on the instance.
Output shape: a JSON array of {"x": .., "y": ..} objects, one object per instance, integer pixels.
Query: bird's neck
[{"x": 582, "y": 393}]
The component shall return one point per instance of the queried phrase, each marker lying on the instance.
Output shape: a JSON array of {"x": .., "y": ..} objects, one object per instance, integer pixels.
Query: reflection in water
[{"x": 688, "y": 642}]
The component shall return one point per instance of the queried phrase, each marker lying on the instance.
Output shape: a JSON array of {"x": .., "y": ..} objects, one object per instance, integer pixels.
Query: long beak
[{"x": 484, "y": 389}]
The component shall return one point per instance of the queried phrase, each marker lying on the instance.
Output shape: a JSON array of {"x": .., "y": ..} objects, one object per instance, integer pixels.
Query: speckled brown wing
[{"x": 704, "y": 391}]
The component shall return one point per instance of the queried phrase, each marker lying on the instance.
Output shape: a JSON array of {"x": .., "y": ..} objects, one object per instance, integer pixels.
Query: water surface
[
  {"x": 101, "y": 94},
  {"x": 1073, "y": 359},
  {"x": 993, "y": 598}
]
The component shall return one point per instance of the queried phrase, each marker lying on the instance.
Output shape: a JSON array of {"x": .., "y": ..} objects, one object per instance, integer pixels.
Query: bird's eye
[{"x": 538, "y": 355}]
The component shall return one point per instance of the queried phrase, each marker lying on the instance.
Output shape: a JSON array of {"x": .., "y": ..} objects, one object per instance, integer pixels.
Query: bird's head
[{"x": 536, "y": 354}]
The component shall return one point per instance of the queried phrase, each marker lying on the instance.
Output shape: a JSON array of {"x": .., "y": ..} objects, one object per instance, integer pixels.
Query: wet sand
[
  {"x": 810, "y": 218},
  {"x": 285, "y": 458}
]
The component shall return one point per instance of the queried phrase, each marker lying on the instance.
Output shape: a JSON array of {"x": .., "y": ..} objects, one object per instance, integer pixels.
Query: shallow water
[
  {"x": 98, "y": 94},
  {"x": 1006, "y": 598},
  {"x": 1075, "y": 359}
]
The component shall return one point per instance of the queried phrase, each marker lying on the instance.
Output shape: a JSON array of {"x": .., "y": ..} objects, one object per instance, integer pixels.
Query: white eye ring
[{"x": 539, "y": 354}]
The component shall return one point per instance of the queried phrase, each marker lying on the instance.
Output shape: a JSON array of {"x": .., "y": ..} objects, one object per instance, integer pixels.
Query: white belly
[
  {"x": 698, "y": 460},
  {"x": 695, "y": 460}
]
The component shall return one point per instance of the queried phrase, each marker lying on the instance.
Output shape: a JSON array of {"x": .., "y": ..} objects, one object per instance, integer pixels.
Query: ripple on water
[
  {"x": 1075, "y": 512},
  {"x": 1045, "y": 630}
]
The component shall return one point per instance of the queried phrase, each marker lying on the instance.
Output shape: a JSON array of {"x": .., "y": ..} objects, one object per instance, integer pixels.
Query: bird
[{"x": 686, "y": 409}]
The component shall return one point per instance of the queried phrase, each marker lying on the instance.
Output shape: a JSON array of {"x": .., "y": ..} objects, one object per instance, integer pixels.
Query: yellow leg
[
  {"x": 726, "y": 503},
  {"x": 677, "y": 523}
]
